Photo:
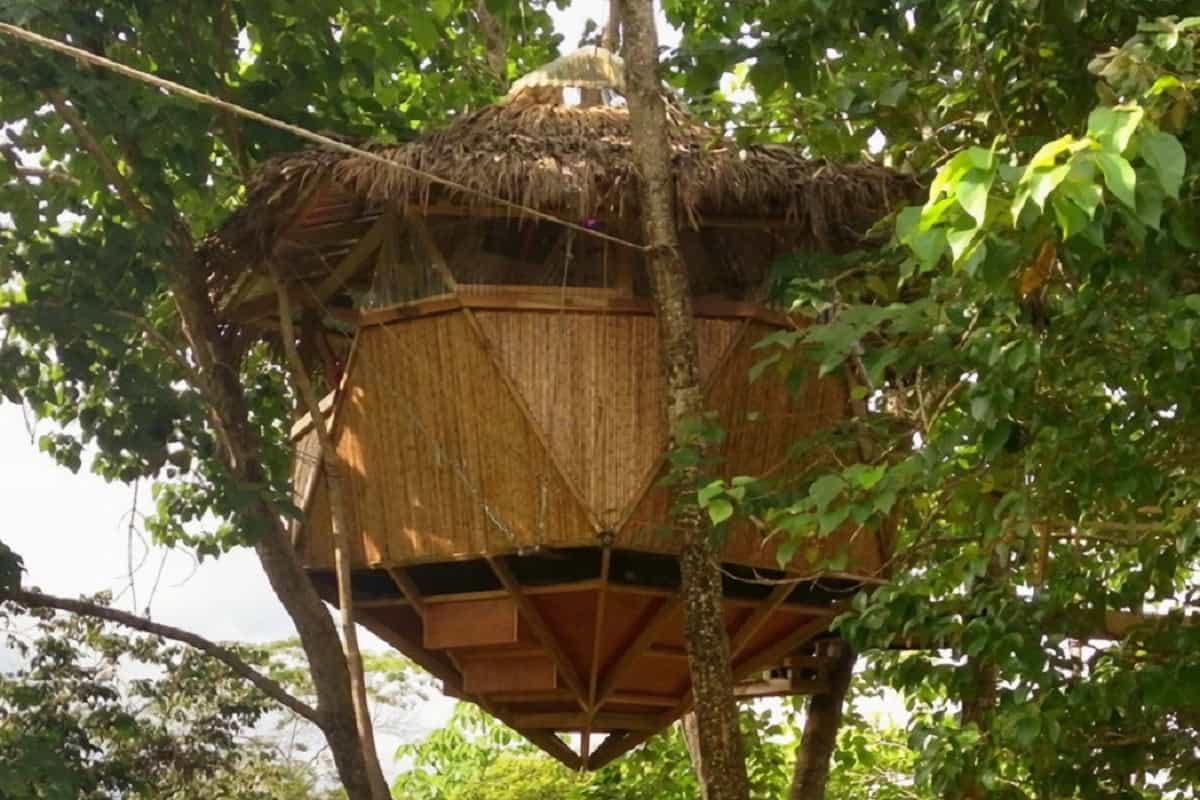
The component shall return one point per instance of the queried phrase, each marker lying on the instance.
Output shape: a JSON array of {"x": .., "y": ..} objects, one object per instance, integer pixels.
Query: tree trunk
[
  {"x": 720, "y": 741},
  {"x": 821, "y": 727},
  {"x": 332, "y": 464},
  {"x": 216, "y": 364}
]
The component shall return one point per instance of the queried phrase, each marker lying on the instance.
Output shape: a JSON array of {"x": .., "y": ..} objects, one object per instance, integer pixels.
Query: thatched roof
[{"x": 573, "y": 161}]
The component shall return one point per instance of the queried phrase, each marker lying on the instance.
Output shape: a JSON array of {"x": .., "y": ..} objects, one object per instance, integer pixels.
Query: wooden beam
[
  {"x": 433, "y": 663},
  {"x": 598, "y": 636},
  {"x": 642, "y": 699},
  {"x": 540, "y": 629},
  {"x": 777, "y": 651},
  {"x": 424, "y": 237},
  {"x": 616, "y": 746},
  {"x": 349, "y": 266},
  {"x": 551, "y": 744},
  {"x": 408, "y": 588},
  {"x": 758, "y": 618},
  {"x": 576, "y": 721},
  {"x": 646, "y": 636},
  {"x": 585, "y": 740}
]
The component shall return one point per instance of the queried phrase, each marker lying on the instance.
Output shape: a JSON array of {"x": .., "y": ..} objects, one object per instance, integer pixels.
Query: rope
[{"x": 194, "y": 95}]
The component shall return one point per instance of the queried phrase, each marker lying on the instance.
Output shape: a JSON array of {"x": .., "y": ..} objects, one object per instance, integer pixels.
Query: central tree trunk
[{"x": 719, "y": 740}]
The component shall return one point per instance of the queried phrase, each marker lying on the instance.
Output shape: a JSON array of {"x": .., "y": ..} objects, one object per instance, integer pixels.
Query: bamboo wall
[{"x": 470, "y": 431}]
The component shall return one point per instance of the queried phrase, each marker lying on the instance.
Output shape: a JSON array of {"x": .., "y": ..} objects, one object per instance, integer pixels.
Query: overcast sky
[{"x": 73, "y": 530}]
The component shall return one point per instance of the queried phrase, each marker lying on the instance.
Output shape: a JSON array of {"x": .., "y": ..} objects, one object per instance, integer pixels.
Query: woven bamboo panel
[
  {"x": 440, "y": 459},
  {"x": 756, "y": 446},
  {"x": 593, "y": 384}
]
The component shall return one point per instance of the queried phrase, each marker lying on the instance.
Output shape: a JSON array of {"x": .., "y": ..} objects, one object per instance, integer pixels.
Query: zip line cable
[{"x": 194, "y": 95}]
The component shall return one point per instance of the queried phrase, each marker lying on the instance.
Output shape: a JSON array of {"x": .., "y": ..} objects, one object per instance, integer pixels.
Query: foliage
[
  {"x": 90, "y": 337},
  {"x": 475, "y": 758},
  {"x": 1025, "y": 345},
  {"x": 94, "y": 712}
]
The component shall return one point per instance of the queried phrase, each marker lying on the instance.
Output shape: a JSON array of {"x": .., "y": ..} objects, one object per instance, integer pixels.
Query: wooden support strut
[
  {"x": 546, "y": 740},
  {"x": 646, "y": 636},
  {"x": 541, "y": 630},
  {"x": 616, "y": 746},
  {"x": 585, "y": 741}
]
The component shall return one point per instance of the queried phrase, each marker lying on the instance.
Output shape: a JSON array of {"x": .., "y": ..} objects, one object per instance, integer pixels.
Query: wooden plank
[
  {"x": 471, "y": 623},
  {"x": 642, "y": 699},
  {"x": 577, "y": 721},
  {"x": 484, "y": 676},
  {"x": 540, "y": 629},
  {"x": 582, "y": 299},
  {"x": 638, "y": 647}
]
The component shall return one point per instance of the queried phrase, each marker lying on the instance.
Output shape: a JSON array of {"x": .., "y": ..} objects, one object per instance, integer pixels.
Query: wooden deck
[{"x": 588, "y": 641}]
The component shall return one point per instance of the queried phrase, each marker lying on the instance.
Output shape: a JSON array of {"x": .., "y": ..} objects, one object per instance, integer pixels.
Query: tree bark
[
  {"x": 720, "y": 741},
  {"x": 821, "y": 727},
  {"x": 332, "y": 464}
]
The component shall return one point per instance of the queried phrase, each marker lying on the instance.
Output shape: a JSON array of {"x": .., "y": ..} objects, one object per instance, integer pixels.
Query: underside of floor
[{"x": 590, "y": 641}]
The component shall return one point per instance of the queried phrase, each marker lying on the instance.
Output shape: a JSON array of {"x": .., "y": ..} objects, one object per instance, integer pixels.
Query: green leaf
[
  {"x": 1044, "y": 181},
  {"x": 1192, "y": 301},
  {"x": 831, "y": 520},
  {"x": 972, "y": 193},
  {"x": 825, "y": 488},
  {"x": 1048, "y": 155},
  {"x": 1166, "y": 157},
  {"x": 1149, "y": 204},
  {"x": 866, "y": 476},
  {"x": 719, "y": 510},
  {"x": 1114, "y": 127},
  {"x": 1179, "y": 335},
  {"x": 1070, "y": 217},
  {"x": 1118, "y": 176},
  {"x": 959, "y": 240},
  {"x": 706, "y": 494}
]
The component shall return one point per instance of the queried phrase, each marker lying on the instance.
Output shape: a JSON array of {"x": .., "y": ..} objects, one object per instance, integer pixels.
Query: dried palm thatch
[{"x": 572, "y": 161}]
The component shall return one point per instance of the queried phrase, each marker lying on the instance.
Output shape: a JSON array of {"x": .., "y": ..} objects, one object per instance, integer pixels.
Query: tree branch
[
  {"x": 276, "y": 692},
  {"x": 92, "y": 146},
  {"x": 493, "y": 41},
  {"x": 13, "y": 157},
  {"x": 146, "y": 326}
]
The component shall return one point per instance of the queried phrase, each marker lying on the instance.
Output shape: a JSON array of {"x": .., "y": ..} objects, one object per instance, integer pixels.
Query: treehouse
[{"x": 497, "y": 404}]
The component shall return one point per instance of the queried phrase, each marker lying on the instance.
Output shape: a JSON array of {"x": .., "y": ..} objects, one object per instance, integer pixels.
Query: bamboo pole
[{"x": 341, "y": 540}]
